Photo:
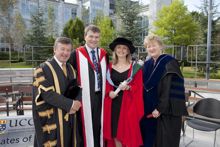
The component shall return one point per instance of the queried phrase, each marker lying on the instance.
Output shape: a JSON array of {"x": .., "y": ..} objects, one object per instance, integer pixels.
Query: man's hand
[{"x": 75, "y": 107}]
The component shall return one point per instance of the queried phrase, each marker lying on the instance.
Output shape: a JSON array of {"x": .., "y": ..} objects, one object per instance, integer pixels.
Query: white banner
[{"x": 16, "y": 131}]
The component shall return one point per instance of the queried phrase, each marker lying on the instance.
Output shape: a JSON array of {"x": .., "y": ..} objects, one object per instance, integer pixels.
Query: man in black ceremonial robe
[{"x": 54, "y": 111}]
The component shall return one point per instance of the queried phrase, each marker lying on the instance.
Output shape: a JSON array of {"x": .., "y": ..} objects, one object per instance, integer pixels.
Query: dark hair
[
  {"x": 62, "y": 40},
  {"x": 92, "y": 28}
]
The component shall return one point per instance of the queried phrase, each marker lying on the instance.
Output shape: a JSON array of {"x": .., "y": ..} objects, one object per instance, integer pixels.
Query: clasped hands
[
  {"x": 75, "y": 107},
  {"x": 155, "y": 113}
]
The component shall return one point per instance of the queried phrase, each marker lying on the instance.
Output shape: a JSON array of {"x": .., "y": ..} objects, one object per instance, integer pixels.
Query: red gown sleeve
[{"x": 107, "y": 113}]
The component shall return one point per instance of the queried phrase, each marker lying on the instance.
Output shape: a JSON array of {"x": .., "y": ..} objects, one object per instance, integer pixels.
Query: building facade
[
  {"x": 62, "y": 12},
  {"x": 154, "y": 7},
  {"x": 92, "y": 8}
]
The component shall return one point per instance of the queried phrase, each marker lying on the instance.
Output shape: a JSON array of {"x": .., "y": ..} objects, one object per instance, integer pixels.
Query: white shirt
[
  {"x": 59, "y": 63},
  {"x": 90, "y": 54},
  {"x": 96, "y": 55}
]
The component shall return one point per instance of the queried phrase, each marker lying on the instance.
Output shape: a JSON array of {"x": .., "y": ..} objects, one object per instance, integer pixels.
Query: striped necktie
[{"x": 95, "y": 62}]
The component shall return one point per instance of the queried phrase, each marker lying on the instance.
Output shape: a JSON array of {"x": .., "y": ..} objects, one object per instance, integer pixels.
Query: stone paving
[{"x": 202, "y": 139}]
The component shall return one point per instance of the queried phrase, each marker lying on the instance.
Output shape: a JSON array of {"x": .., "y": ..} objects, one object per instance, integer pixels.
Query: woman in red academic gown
[{"x": 123, "y": 110}]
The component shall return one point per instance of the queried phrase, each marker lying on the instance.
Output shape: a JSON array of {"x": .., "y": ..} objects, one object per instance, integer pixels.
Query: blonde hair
[
  {"x": 151, "y": 38},
  {"x": 115, "y": 57}
]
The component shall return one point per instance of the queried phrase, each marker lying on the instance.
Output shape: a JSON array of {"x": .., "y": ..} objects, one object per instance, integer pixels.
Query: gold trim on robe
[
  {"x": 50, "y": 143},
  {"x": 46, "y": 113},
  {"x": 60, "y": 112},
  {"x": 49, "y": 128},
  {"x": 39, "y": 92}
]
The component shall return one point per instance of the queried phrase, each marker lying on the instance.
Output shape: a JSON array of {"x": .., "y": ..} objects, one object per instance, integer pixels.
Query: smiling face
[
  {"x": 121, "y": 51},
  {"x": 62, "y": 52},
  {"x": 154, "y": 49},
  {"x": 92, "y": 39}
]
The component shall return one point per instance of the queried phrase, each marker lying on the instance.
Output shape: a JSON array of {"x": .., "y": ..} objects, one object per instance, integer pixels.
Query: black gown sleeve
[
  {"x": 72, "y": 59},
  {"x": 163, "y": 93},
  {"x": 44, "y": 91}
]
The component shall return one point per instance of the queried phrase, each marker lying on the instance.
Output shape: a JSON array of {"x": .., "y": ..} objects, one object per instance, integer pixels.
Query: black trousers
[{"x": 96, "y": 105}]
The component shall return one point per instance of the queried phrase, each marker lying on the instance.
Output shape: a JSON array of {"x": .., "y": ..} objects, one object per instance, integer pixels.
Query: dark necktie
[{"x": 95, "y": 62}]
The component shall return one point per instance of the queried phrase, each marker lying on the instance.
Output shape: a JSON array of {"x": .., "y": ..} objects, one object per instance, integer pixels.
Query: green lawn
[
  {"x": 6, "y": 64},
  {"x": 189, "y": 72}
]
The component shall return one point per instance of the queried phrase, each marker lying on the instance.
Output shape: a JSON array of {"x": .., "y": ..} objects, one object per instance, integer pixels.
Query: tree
[
  {"x": 51, "y": 23},
  {"x": 202, "y": 31},
  {"x": 74, "y": 29},
  {"x": 108, "y": 32},
  {"x": 128, "y": 11},
  {"x": 6, "y": 18},
  {"x": 37, "y": 38},
  {"x": 175, "y": 23},
  {"x": 204, "y": 8},
  {"x": 202, "y": 19},
  {"x": 18, "y": 31},
  {"x": 37, "y": 33},
  {"x": 66, "y": 29}
]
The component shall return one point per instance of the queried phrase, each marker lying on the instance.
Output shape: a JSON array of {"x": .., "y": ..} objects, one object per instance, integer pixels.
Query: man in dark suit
[
  {"x": 54, "y": 112},
  {"x": 91, "y": 63}
]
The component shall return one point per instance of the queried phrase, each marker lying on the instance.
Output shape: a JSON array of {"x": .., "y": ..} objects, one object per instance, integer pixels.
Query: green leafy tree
[
  {"x": 128, "y": 11},
  {"x": 202, "y": 18},
  {"x": 217, "y": 39},
  {"x": 175, "y": 23},
  {"x": 66, "y": 29},
  {"x": 202, "y": 23},
  {"x": 108, "y": 32},
  {"x": 74, "y": 29}
]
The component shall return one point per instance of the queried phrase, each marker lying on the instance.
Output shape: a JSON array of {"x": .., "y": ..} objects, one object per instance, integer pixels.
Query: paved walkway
[{"x": 202, "y": 139}]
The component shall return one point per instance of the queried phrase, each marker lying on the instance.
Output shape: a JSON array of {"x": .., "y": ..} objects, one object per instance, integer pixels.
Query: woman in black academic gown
[{"x": 164, "y": 99}]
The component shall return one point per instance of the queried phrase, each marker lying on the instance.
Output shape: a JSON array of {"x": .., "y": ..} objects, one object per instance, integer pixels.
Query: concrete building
[
  {"x": 92, "y": 8},
  {"x": 62, "y": 12},
  {"x": 154, "y": 7},
  {"x": 144, "y": 21}
]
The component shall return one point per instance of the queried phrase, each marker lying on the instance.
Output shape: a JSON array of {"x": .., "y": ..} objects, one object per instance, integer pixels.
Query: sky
[{"x": 192, "y": 5}]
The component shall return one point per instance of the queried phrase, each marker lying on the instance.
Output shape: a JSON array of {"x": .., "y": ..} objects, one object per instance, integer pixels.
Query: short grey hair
[{"x": 62, "y": 40}]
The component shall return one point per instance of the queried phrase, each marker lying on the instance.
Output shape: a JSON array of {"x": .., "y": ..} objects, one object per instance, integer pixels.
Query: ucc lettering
[{"x": 21, "y": 122}]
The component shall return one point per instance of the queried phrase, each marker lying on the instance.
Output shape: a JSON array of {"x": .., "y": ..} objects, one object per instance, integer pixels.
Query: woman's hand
[
  {"x": 112, "y": 94},
  {"x": 124, "y": 86},
  {"x": 156, "y": 113}
]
